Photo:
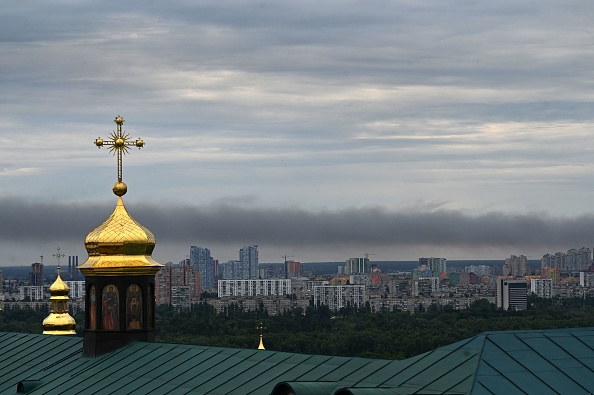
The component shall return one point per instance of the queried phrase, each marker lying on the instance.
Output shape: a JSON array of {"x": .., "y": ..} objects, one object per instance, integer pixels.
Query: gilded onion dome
[
  {"x": 120, "y": 246},
  {"x": 59, "y": 321}
]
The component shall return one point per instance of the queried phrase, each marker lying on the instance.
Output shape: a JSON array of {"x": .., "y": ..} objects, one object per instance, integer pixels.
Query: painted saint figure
[
  {"x": 134, "y": 307},
  {"x": 93, "y": 309},
  {"x": 110, "y": 307}
]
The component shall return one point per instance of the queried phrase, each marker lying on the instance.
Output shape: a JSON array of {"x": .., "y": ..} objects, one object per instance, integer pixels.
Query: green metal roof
[{"x": 530, "y": 362}]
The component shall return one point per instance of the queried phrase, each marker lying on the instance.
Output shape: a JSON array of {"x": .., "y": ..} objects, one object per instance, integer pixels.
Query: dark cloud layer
[{"x": 234, "y": 224}]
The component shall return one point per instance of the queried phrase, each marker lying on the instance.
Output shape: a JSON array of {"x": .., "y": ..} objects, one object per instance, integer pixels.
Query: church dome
[
  {"x": 59, "y": 287},
  {"x": 59, "y": 321},
  {"x": 120, "y": 246}
]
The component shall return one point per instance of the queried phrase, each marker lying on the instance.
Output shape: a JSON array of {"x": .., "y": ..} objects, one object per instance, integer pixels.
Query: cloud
[
  {"x": 303, "y": 106},
  {"x": 230, "y": 226}
]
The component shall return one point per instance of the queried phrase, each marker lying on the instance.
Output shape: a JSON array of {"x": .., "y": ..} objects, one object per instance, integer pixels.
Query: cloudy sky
[{"x": 320, "y": 130}]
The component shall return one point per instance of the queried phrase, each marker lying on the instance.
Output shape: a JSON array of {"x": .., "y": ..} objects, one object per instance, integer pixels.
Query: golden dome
[
  {"x": 59, "y": 287},
  {"x": 120, "y": 246},
  {"x": 59, "y": 321},
  {"x": 61, "y": 324}
]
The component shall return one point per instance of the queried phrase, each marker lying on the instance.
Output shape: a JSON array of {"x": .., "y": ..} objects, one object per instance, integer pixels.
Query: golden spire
[
  {"x": 119, "y": 142},
  {"x": 261, "y": 328},
  {"x": 120, "y": 245},
  {"x": 59, "y": 321}
]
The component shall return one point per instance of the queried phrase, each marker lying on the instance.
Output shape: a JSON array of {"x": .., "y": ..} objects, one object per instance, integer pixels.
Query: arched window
[
  {"x": 134, "y": 307},
  {"x": 110, "y": 308}
]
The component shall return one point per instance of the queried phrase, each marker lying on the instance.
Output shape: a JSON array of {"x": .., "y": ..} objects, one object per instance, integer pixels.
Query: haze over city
[{"x": 316, "y": 130}]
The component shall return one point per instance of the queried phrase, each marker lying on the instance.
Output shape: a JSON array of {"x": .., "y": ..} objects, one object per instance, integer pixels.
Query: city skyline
[{"x": 318, "y": 131}]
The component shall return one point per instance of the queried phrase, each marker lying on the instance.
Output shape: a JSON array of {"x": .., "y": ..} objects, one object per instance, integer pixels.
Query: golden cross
[
  {"x": 119, "y": 142},
  {"x": 58, "y": 255},
  {"x": 261, "y": 328}
]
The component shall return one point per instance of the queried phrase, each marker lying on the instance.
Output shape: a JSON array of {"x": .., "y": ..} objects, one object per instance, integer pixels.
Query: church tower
[
  {"x": 59, "y": 322},
  {"x": 120, "y": 271}
]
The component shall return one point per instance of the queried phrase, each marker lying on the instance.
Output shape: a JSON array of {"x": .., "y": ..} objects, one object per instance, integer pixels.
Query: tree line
[
  {"x": 361, "y": 333},
  {"x": 349, "y": 332}
]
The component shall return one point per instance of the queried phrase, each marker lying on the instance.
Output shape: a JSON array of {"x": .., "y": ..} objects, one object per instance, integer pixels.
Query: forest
[{"x": 348, "y": 332}]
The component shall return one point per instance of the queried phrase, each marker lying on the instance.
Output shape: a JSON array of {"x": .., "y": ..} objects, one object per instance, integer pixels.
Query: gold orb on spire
[
  {"x": 119, "y": 120},
  {"x": 120, "y": 188}
]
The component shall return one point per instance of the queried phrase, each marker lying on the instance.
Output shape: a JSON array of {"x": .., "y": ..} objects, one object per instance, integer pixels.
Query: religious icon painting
[
  {"x": 92, "y": 308},
  {"x": 134, "y": 307},
  {"x": 110, "y": 308}
]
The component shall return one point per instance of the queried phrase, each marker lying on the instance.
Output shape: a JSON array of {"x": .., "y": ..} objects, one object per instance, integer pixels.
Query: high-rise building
[
  {"x": 586, "y": 279},
  {"x": 177, "y": 285},
  {"x": 425, "y": 286},
  {"x": 479, "y": 270},
  {"x": 572, "y": 260},
  {"x": 435, "y": 265},
  {"x": 292, "y": 269},
  {"x": 36, "y": 274},
  {"x": 339, "y": 296},
  {"x": 357, "y": 266},
  {"x": 512, "y": 294},
  {"x": 203, "y": 263},
  {"x": 229, "y": 269},
  {"x": 542, "y": 287},
  {"x": 248, "y": 263},
  {"x": 272, "y": 287},
  {"x": 518, "y": 265}
]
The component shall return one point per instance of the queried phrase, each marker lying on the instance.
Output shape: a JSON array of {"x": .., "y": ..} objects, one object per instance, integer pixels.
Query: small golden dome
[
  {"x": 59, "y": 321},
  {"x": 61, "y": 324},
  {"x": 59, "y": 287},
  {"x": 120, "y": 246}
]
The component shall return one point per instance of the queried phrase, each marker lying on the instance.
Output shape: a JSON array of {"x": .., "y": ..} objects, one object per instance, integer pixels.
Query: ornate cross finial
[
  {"x": 261, "y": 328},
  {"x": 59, "y": 256},
  {"x": 119, "y": 141}
]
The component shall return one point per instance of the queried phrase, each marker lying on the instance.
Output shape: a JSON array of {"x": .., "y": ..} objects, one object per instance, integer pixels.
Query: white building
[
  {"x": 586, "y": 279},
  {"x": 268, "y": 287},
  {"x": 512, "y": 294},
  {"x": 339, "y": 296},
  {"x": 357, "y": 266},
  {"x": 33, "y": 292},
  {"x": 542, "y": 287},
  {"x": 77, "y": 289}
]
